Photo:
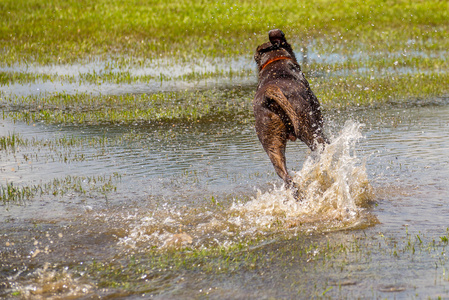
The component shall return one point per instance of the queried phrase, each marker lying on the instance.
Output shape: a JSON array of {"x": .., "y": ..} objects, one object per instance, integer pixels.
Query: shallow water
[
  {"x": 372, "y": 221},
  {"x": 165, "y": 74},
  {"x": 195, "y": 210}
]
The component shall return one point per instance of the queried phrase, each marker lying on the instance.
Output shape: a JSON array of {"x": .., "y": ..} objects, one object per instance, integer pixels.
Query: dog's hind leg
[
  {"x": 272, "y": 134},
  {"x": 277, "y": 157}
]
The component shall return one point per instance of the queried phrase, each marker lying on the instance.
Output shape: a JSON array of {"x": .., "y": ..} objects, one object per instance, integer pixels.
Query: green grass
[
  {"x": 375, "y": 91},
  {"x": 183, "y": 106},
  {"x": 12, "y": 141},
  {"x": 64, "y": 31},
  {"x": 216, "y": 104},
  {"x": 86, "y": 185},
  {"x": 19, "y": 77}
]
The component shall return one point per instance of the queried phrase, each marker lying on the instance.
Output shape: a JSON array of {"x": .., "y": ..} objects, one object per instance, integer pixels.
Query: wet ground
[{"x": 195, "y": 210}]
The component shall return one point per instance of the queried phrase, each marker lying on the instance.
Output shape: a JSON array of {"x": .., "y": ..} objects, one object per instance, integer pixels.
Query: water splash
[
  {"x": 47, "y": 283},
  {"x": 333, "y": 186},
  {"x": 334, "y": 190}
]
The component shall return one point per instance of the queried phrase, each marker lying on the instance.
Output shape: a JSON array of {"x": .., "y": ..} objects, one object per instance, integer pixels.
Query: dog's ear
[
  {"x": 277, "y": 37},
  {"x": 266, "y": 47},
  {"x": 278, "y": 40}
]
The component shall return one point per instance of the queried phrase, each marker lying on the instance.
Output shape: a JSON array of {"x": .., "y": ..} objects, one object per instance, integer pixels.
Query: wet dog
[{"x": 285, "y": 107}]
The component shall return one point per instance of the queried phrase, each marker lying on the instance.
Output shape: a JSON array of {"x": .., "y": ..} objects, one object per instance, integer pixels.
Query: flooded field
[{"x": 192, "y": 208}]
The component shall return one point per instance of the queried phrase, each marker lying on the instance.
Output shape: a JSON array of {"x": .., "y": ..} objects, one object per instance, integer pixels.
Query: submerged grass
[
  {"x": 117, "y": 77},
  {"x": 298, "y": 261},
  {"x": 12, "y": 141},
  {"x": 64, "y": 149},
  {"x": 218, "y": 104},
  {"x": 86, "y": 185},
  {"x": 334, "y": 265},
  {"x": 23, "y": 77},
  {"x": 377, "y": 90},
  {"x": 369, "y": 64},
  {"x": 129, "y": 108}
]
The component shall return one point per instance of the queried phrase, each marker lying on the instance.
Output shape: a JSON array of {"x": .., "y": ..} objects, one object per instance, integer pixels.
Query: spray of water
[
  {"x": 333, "y": 185},
  {"x": 334, "y": 193},
  {"x": 45, "y": 282}
]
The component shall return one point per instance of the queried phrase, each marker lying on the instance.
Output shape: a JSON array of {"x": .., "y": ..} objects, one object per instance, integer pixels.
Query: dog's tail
[
  {"x": 273, "y": 92},
  {"x": 303, "y": 130}
]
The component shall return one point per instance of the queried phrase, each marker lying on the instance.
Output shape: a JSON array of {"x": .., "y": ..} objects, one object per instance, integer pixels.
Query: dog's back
[
  {"x": 285, "y": 107},
  {"x": 278, "y": 67}
]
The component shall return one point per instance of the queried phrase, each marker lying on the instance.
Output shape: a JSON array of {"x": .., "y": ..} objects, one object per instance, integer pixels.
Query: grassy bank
[{"x": 64, "y": 31}]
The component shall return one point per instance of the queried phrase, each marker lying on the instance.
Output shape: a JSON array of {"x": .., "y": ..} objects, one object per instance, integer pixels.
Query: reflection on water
[{"x": 201, "y": 185}]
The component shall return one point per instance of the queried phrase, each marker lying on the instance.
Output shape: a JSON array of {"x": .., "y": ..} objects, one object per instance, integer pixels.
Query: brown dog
[{"x": 285, "y": 107}]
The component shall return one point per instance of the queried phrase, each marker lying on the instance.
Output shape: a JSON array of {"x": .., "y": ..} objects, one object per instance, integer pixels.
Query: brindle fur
[{"x": 285, "y": 107}]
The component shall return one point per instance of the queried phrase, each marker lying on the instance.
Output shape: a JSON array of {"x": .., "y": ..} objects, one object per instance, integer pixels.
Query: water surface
[{"x": 210, "y": 184}]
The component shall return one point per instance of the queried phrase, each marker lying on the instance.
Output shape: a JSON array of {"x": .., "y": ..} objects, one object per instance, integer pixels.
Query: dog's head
[{"x": 278, "y": 47}]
